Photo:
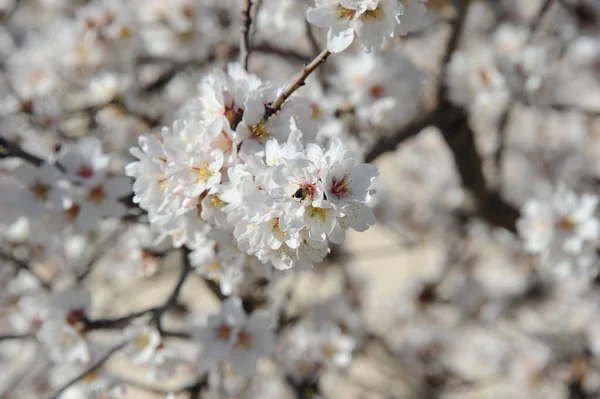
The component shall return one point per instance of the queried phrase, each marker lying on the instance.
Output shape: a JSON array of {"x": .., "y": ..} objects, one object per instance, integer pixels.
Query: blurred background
[{"x": 484, "y": 107}]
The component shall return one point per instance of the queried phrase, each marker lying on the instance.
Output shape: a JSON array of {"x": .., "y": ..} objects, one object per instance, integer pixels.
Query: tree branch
[
  {"x": 457, "y": 28},
  {"x": 186, "y": 268},
  {"x": 454, "y": 125},
  {"x": 116, "y": 322},
  {"x": 156, "y": 311},
  {"x": 24, "y": 266},
  {"x": 297, "y": 83},
  {"x": 92, "y": 368},
  {"x": 12, "y": 336},
  {"x": 246, "y": 24},
  {"x": 390, "y": 143},
  {"x": 8, "y": 149}
]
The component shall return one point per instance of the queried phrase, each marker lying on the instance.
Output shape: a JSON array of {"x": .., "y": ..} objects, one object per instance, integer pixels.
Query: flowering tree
[{"x": 144, "y": 140}]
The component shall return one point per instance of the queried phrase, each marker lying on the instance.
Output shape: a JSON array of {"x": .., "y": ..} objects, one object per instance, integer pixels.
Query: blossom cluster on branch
[{"x": 179, "y": 180}]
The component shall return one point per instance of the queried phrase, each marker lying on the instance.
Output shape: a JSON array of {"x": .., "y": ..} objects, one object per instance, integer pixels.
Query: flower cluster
[
  {"x": 371, "y": 20},
  {"x": 563, "y": 230},
  {"x": 230, "y": 183},
  {"x": 59, "y": 323},
  {"x": 71, "y": 194},
  {"x": 236, "y": 337}
]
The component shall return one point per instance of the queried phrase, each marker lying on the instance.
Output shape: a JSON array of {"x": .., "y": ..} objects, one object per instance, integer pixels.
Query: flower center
[
  {"x": 223, "y": 332},
  {"x": 75, "y": 318},
  {"x": 40, "y": 190},
  {"x": 276, "y": 230},
  {"x": 244, "y": 339},
  {"x": 376, "y": 91},
  {"x": 485, "y": 77},
  {"x": 216, "y": 200},
  {"x": 141, "y": 340},
  {"x": 566, "y": 223},
  {"x": 340, "y": 187},
  {"x": 188, "y": 11},
  {"x": 259, "y": 132},
  {"x": 203, "y": 172},
  {"x": 96, "y": 194},
  {"x": 372, "y": 15},
  {"x": 162, "y": 183},
  {"x": 214, "y": 267},
  {"x": 328, "y": 349},
  {"x": 345, "y": 14},
  {"x": 72, "y": 211},
  {"x": 317, "y": 213},
  {"x": 85, "y": 171},
  {"x": 316, "y": 111}
]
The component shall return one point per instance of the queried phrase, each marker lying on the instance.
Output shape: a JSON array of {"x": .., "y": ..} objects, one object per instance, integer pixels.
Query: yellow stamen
[
  {"x": 40, "y": 190},
  {"x": 259, "y": 132}
]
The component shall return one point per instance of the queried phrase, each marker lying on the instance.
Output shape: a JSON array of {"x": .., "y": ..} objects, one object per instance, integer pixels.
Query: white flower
[
  {"x": 220, "y": 260},
  {"x": 40, "y": 189},
  {"x": 561, "y": 229},
  {"x": 142, "y": 343},
  {"x": 163, "y": 364},
  {"x": 372, "y": 20},
  {"x": 64, "y": 325},
  {"x": 84, "y": 161},
  {"x": 262, "y": 182},
  {"x": 94, "y": 384},
  {"x": 345, "y": 181},
  {"x": 237, "y": 338},
  {"x": 105, "y": 88},
  {"x": 412, "y": 17},
  {"x": 101, "y": 200},
  {"x": 333, "y": 15},
  {"x": 150, "y": 176},
  {"x": 63, "y": 342},
  {"x": 334, "y": 347},
  {"x": 33, "y": 309}
]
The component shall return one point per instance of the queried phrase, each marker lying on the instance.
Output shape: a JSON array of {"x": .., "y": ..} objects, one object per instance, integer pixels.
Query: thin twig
[
  {"x": 116, "y": 322},
  {"x": 99, "y": 251},
  {"x": 8, "y": 149},
  {"x": 24, "y": 266},
  {"x": 90, "y": 369},
  {"x": 246, "y": 24},
  {"x": 390, "y": 143},
  {"x": 297, "y": 83},
  {"x": 457, "y": 28},
  {"x": 198, "y": 383},
  {"x": 503, "y": 123},
  {"x": 156, "y": 311},
  {"x": 186, "y": 268},
  {"x": 315, "y": 49},
  {"x": 11, "y": 336}
]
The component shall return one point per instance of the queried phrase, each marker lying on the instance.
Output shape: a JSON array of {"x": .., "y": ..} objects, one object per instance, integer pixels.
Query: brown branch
[
  {"x": 246, "y": 23},
  {"x": 315, "y": 48},
  {"x": 199, "y": 383},
  {"x": 390, "y": 143},
  {"x": 8, "y": 149},
  {"x": 454, "y": 125},
  {"x": 297, "y": 83},
  {"x": 89, "y": 370},
  {"x": 156, "y": 311},
  {"x": 24, "y": 266},
  {"x": 457, "y": 28},
  {"x": 186, "y": 268},
  {"x": 116, "y": 322},
  {"x": 502, "y": 125},
  {"x": 13, "y": 336}
]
